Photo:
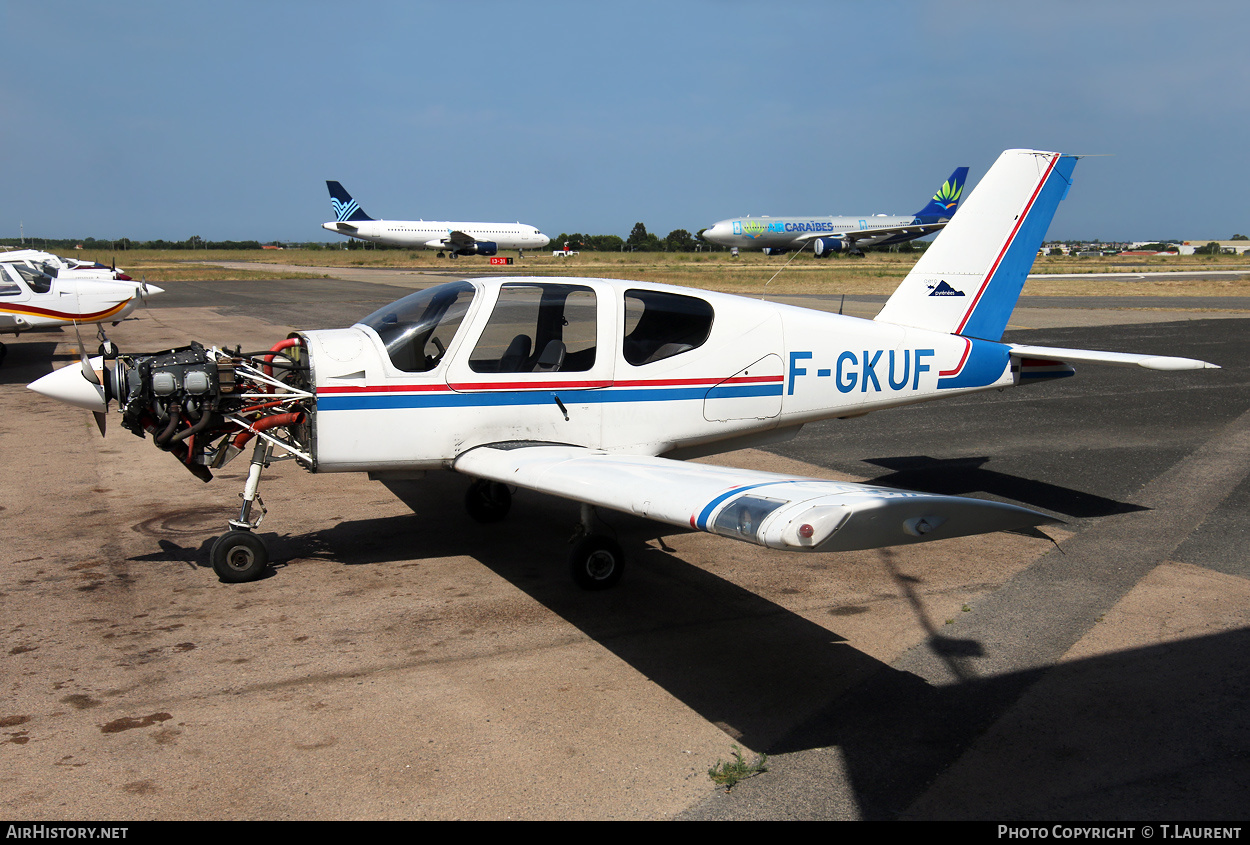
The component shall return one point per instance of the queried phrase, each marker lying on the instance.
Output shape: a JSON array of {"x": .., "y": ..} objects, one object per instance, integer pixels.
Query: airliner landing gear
[{"x": 596, "y": 561}]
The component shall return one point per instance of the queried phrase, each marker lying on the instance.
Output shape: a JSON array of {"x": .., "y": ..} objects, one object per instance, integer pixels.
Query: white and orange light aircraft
[
  {"x": 595, "y": 390},
  {"x": 33, "y": 299}
]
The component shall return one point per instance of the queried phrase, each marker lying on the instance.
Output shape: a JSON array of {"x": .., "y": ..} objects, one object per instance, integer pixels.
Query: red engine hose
[
  {"x": 278, "y": 347},
  {"x": 264, "y": 423}
]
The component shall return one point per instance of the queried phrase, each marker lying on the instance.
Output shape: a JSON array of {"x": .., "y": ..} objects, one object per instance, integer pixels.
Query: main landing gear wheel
[
  {"x": 597, "y": 562},
  {"x": 239, "y": 556},
  {"x": 487, "y": 501}
]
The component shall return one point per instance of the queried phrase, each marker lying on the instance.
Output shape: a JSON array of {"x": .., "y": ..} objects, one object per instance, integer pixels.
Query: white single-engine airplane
[
  {"x": 594, "y": 390},
  {"x": 454, "y": 238},
  {"x": 64, "y": 268},
  {"x": 32, "y": 299}
]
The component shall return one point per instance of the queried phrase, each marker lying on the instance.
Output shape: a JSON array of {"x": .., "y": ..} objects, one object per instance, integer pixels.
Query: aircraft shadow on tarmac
[
  {"x": 27, "y": 361},
  {"x": 1151, "y": 733},
  {"x": 961, "y": 476}
]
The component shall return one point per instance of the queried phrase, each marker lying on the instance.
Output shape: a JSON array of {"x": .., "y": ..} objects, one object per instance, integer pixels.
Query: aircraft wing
[
  {"x": 770, "y": 509},
  {"x": 459, "y": 240},
  {"x": 868, "y": 237},
  {"x": 1119, "y": 359}
]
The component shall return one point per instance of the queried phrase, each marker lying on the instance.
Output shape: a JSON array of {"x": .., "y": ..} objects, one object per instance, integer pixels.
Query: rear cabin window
[
  {"x": 659, "y": 325},
  {"x": 539, "y": 328}
]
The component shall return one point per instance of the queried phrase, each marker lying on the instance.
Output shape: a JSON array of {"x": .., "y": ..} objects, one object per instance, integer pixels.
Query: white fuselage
[
  {"x": 435, "y": 234},
  {"x": 791, "y": 232},
  {"x": 762, "y": 370},
  {"x": 30, "y": 299}
]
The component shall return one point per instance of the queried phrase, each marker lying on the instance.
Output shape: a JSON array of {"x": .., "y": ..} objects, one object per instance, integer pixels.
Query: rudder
[
  {"x": 345, "y": 208},
  {"x": 968, "y": 281}
]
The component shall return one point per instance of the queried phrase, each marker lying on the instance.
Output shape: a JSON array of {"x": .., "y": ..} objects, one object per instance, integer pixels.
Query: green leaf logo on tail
[{"x": 948, "y": 194}]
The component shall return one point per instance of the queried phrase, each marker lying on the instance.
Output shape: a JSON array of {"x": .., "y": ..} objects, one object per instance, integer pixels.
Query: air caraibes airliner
[
  {"x": 827, "y": 235},
  {"x": 454, "y": 238}
]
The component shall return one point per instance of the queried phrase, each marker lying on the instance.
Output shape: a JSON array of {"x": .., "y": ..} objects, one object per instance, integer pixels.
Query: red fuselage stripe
[
  {"x": 31, "y": 311},
  {"x": 545, "y": 385}
]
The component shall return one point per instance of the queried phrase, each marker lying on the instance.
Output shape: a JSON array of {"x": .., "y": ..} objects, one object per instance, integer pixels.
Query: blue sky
[{"x": 224, "y": 119}]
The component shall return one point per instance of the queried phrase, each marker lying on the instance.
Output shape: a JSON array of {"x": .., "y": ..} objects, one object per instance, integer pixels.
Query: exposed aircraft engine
[
  {"x": 825, "y": 247},
  {"x": 203, "y": 405}
]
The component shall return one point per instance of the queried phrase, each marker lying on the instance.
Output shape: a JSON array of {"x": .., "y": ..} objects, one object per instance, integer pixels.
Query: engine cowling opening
[{"x": 203, "y": 404}]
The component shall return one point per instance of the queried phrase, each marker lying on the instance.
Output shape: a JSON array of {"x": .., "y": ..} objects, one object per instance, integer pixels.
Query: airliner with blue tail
[
  {"x": 827, "y": 235},
  {"x": 449, "y": 237}
]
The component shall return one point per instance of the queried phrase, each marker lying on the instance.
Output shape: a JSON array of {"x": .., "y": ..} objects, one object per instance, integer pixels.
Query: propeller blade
[
  {"x": 88, "y": 372},
  {"x": 100, "y": 420}
]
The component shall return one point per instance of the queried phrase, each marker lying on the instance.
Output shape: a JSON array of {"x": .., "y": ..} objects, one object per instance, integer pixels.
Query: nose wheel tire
[
  {"x": 597, "y": 562},
  {"x": 239, "y": 556}
]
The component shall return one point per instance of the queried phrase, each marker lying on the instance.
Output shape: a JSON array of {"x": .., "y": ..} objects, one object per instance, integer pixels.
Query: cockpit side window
[
  {"x": 659, "y": 325},
  {"x": 418, "y": 329},
  {"x": 539, "y": 328},
  {"x": 39, "y": 282}
]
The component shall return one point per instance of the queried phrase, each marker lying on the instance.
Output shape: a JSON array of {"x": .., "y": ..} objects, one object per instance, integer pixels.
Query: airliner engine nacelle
[
  {"x": 770, "y": 250},
  {"x": 486, "y": 248},
  {"x": 825, "y": 247}
]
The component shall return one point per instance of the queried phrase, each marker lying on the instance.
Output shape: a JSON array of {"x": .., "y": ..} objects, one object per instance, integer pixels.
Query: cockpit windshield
[
  {"x": 8, "y": 287},
  {"x": 418, "y": 328}
]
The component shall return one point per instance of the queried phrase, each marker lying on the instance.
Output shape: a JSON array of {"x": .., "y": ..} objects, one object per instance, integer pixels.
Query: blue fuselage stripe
[{"x": 449, "y": 399}]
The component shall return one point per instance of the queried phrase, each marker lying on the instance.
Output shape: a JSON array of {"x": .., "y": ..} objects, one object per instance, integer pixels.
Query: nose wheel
[{"x": 239, "y": 556}]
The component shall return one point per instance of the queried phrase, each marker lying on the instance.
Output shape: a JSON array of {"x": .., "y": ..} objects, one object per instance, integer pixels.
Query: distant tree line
[
  {"x": 97, "y": 244},
  {"x": 639, "y": 240}
]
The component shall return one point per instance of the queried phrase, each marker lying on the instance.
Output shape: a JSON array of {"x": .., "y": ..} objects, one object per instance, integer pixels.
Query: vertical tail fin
[
  {"x": 943, "y": 204},
  {"x": 345, "y": 208},
  {"x": 968, "y": 281}
]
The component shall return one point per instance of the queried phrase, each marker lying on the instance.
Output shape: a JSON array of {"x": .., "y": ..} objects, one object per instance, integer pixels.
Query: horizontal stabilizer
[
  {"x": 1117, "y": 359},
  {"x": 770, "y": 509}
]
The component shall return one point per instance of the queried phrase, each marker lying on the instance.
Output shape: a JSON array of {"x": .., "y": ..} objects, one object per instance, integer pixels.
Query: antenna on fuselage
[{"x": 783, "y": 266}]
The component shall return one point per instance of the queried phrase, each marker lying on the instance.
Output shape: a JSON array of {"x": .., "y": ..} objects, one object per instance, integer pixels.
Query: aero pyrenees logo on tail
[{"x": 943, "y": 289}]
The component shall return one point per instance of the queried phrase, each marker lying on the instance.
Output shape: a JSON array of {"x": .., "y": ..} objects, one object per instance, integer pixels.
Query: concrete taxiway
[{"x": 404, "y": 662}]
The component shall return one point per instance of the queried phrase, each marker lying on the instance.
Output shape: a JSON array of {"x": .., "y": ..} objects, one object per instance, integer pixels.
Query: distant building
[{"x": 1226, "y": 247}]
